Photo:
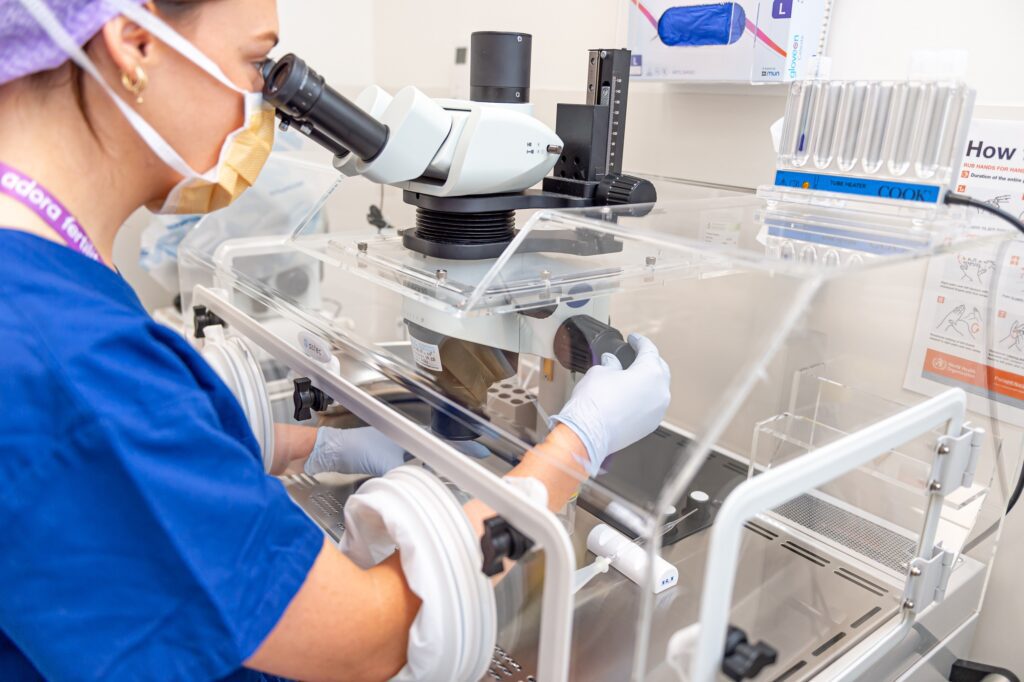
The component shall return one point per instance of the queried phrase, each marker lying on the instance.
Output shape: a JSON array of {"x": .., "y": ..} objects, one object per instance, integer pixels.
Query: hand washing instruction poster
[{"x": 970, "y": 327}]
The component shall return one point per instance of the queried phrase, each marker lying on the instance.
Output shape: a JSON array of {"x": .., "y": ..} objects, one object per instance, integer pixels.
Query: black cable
[
  {"x": 1016, "y": 493},
  {"x": 963, "y": 200}
]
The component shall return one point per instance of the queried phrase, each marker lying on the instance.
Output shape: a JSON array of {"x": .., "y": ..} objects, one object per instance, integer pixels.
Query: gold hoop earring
[{"x": 135, "y": 85}]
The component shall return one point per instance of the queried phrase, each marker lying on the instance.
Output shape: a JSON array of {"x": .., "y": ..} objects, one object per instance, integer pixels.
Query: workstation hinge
[
  {"x": 927, "y": 580},
  {"x": 956, "y": 461}
]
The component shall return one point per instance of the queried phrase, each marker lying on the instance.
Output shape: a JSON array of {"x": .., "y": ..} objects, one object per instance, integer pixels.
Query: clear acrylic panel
[{"x": 772, "y": 357}]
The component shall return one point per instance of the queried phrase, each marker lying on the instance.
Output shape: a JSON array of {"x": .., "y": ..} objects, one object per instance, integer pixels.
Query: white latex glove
[
  {"x": 471, "y": 448},
  {"x": 354, "y": 451},
  {"x": 612, "y": 408},
  {"x": 367, "y": 451}
]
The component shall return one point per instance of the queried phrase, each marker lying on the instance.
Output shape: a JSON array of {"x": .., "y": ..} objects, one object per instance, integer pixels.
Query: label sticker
[
  {"x": 782, "y": 9},
  {"x": 721, "y": 226},
  {"x": 636, "y": 65},
  {"x": 426, "y": 355},
  {"x": 315, "y": 347},
  {"x": 722, "y": 233},
  {"x": 885, "y": 189}
]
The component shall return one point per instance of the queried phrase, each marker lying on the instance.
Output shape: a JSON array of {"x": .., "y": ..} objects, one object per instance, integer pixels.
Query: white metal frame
[
  {"x": 538, "y": 523},
  {"x": 787, "y": 481}
]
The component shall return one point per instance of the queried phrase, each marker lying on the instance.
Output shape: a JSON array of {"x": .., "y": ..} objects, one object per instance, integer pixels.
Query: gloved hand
[
  {"x": 471, "y": 448},
  {"x": 612, "y": 407},
  {"x": 354, "y": 451},
  {"x": 367, "y": 451}
]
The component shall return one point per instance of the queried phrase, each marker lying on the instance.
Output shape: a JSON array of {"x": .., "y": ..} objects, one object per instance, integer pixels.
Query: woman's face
[{"x": 188, "y": 107}]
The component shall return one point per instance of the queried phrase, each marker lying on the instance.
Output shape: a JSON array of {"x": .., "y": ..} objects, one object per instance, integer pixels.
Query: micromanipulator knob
[{"x": 618, "y": 190}]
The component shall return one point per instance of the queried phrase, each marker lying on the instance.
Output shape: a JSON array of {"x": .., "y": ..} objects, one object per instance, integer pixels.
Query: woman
[{"x": 140, "y": 537}]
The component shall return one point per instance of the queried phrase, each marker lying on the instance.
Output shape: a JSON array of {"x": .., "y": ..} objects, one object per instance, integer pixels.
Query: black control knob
[
  {"x": 744, "y": 660},
  {"x": 203, "y": 318},
  {"x": 618, "y": 190},
  {"x": 581, "y": 341},
  {"x": 972, "y": 671},
  {"x": 698, "y": 507},
  {"x": 307, "y": 399},
  {"x": 500, "y": 541}
]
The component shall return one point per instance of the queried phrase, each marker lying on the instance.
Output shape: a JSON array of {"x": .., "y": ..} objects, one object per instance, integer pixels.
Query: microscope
[{"x": 468, "y": 166}]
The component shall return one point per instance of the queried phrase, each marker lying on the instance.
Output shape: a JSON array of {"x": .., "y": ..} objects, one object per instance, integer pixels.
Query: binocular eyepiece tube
[
  {"x": 301, "y": 96},
  {"x": 500, "y": 74}
]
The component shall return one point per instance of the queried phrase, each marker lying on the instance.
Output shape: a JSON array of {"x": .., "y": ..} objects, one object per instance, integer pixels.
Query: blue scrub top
[{"x": 139, "y": 535}]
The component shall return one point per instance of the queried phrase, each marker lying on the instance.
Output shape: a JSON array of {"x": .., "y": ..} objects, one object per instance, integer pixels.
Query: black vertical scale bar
[{"x": 608, "y": 85}]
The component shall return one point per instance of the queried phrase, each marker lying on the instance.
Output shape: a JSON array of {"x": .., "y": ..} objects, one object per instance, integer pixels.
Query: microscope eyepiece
[
  {"x": 279, "y": 77},
  {"x": 292, "y": 86},
  {"x": 301, "y": 96},
  {"x": 267, "y": 68}
]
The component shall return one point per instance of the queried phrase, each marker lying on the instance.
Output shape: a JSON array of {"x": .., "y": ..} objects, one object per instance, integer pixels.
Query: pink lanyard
[{"x": 20, "y": 187}]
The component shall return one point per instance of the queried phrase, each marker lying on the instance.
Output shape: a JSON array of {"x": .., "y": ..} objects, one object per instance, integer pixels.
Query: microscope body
[
  {"x": 468, "y": 166},
  {"x": 455, "y": 147}
]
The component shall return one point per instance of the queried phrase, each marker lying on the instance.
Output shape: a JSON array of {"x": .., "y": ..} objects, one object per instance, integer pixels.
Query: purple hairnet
[{"x": 25, "y": 48}]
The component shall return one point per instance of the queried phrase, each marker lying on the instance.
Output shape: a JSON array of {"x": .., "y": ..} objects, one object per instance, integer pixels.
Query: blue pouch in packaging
[{"x": 698, "y": 25}]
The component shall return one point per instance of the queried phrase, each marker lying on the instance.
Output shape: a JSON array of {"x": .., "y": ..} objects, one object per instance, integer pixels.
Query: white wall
[
  {"x": 335, "y": 37},
  {"x": 707, "y": 132},
  {"x": 417, "y": 39},
  {"x": 874, "y": 38}
]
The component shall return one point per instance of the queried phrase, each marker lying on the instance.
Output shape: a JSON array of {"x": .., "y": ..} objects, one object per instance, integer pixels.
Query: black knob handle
[
  {"x": 972, "y": 671},
  {"x": 500, "y": 541},
  {"x": 618, "y": 190},
  {"x": 203, "y": 318},
  {"x": 698, "y": 506},
  {"x": 307, "y": 399},
  {"x": 581, "y": 341},
  {"x": 744, "y": 660}
]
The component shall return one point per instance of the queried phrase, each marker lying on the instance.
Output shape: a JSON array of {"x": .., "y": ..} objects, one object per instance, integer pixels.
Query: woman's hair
[{"x": 175, "y": 11}]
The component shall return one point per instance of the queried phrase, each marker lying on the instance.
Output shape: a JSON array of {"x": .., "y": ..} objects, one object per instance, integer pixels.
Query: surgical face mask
[{"x": 244, "y": 151}]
